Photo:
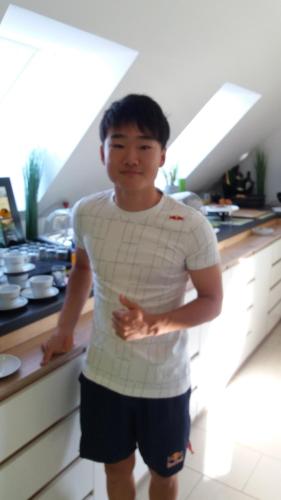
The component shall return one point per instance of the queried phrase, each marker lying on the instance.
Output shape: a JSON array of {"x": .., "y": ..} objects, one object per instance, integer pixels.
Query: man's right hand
[{"x": 57, "y": 344}]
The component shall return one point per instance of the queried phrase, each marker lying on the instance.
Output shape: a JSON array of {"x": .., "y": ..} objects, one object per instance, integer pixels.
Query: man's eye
[
  {"x": 117, "y": 146},
  {"x": 144, "y": 147}
]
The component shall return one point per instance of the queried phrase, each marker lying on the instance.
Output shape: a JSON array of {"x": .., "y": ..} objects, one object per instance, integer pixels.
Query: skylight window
[
  {"x": 221, "y": 113},
  {"x": 55, "y": 81}
]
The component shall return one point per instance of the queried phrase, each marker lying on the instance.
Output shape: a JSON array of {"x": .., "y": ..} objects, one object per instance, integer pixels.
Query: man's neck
[{"x": 135, "y": 201}]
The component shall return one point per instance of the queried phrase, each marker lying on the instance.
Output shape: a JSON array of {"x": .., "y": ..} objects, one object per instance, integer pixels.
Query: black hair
[{"x": 140, "y": 110}]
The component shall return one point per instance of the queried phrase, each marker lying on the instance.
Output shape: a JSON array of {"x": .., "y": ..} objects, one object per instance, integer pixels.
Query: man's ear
[
  {"x": 163, "y": 157},
  {"x": 102, "y": 153}
]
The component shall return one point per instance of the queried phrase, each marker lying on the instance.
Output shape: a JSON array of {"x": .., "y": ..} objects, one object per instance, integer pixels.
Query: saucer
[
  {"x": 19, "y": 302},
  {"x": 263, "y": 231},
  {"x": 28, "y": 293},
  {"x": 25, "y": 269},
  {"x": 8, "y": 364}
]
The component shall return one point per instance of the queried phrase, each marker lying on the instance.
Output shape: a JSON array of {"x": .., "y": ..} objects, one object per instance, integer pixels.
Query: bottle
[
  {"x": 182, "y": 184},
  {"x": 73, "y": 256},
  {"x": 248, "y": 183}
]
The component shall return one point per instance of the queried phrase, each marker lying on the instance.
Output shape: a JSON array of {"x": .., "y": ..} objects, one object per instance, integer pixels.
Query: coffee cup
[
  {"x": 18, "y": 279},
  {"x": 8, "y": 294},
  {"x": 14, "y": 261},
  {"x": 3, "y": 252},
  {"x": 40, "y": 285}
]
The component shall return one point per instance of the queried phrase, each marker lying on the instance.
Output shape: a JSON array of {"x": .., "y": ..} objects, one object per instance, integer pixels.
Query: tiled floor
[{"x": 237, "y": 443}]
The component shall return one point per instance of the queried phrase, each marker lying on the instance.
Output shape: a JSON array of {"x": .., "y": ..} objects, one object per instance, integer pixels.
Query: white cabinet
[
  {"x": 40, "y": 436},
  {"x": 251, "y": 308},
  {"x": 274, "y": 299}
]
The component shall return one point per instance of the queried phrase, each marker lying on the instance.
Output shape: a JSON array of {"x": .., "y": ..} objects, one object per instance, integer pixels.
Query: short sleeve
[
  {"x": 202, "y": 245},
  {"x": 77, "y": 224}
]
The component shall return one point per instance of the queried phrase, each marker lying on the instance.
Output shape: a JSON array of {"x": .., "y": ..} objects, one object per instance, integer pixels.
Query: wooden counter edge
[
  {"x": 30, "y": 354},
  {"x": 36, "y": 328}
]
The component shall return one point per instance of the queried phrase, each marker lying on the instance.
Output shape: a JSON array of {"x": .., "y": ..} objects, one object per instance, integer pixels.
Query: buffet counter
[
  {"x": 25, "y": 342},
  {"x": 39, "y": 409}
]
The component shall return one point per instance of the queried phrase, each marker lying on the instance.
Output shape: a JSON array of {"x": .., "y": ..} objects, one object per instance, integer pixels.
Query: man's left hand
[{"x": 133, "y": 323}]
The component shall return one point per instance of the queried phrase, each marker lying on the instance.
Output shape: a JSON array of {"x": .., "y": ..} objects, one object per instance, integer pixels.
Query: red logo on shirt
[{"x": 176, "y": 217}]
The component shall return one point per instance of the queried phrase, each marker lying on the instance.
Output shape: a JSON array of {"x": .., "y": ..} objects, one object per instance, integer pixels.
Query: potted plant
[
  {"x": 32, "y": 174},
  {"x": 260, "y": 168},
  {"x": 170, "y": 178}
]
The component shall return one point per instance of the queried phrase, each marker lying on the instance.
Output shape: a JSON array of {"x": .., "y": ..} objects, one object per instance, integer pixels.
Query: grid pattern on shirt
[{"x": 145, "y": 256}]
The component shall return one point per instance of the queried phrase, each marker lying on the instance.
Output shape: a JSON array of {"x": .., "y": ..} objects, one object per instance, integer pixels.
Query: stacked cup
[{"x": 15, "y": 264}]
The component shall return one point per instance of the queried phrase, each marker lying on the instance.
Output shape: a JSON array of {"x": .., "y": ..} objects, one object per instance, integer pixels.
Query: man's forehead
[{"x": 129, "y": 131}]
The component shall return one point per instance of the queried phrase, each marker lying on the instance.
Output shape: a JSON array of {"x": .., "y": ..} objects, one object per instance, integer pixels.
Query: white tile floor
[{"x": 237, "y": 443}]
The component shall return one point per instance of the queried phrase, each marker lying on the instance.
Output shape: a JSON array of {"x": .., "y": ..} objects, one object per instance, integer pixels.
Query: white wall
[
  {"x": 272, "y": 147},
  {"x": 187, "y": 50}
]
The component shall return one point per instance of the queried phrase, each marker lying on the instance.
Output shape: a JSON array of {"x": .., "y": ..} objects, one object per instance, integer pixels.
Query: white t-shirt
[{"x": 146, "y": 256}]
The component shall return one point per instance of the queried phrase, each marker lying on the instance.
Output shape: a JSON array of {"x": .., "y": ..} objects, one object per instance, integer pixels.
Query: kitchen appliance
[
  {"x": 188, "y": 198},
  {"x": 57, "y": 228}
]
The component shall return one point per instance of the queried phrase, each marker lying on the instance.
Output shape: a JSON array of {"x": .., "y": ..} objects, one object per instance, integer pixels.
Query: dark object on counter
[
  {"x": 249, "y": 201},
  {"x": 215, "y": 198},
  {"x": 11, "y": 232},
  {"x": 278, "y": 196},
  {"x": 233, "y": 182}
]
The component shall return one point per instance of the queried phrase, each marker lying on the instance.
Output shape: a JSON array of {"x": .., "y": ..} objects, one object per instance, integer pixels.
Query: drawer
[
  {"x": 276, "y": 251},
  {"x": 275, "y": 273},
  {"x": 38, "y": 463},
  {"x": 274, "y": 295},
  {"x": 248, "y": 294},
  {"x": 34, "y": 409},
  {"x": 74, "y": 483},
  {"x": 274, "y": 315}
]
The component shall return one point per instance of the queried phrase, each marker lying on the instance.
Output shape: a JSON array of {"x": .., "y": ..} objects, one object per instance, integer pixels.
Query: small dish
[
  {"x": 277, "y": 210},
  {"x": 17, "y": 304},
  {"x": 263, "y": 231},
  {"x": 8, "y": 364},
  {"x": 25, "y": 269},
  {"x": 28, "y": 293}
]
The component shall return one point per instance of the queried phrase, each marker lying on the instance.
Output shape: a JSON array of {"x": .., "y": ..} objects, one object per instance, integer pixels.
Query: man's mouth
[{"x": 130, "y": 172}]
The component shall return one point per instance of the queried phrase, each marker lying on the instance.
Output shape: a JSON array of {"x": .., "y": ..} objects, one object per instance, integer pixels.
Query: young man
[{"x": 140, "y": 247}]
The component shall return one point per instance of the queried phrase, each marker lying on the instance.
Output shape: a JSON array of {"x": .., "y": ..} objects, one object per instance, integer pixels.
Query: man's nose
[{"x": 131, "y": 156}]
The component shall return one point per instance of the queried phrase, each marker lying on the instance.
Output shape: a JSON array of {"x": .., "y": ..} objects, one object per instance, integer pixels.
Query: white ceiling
[{"x": 187, "y": 50}]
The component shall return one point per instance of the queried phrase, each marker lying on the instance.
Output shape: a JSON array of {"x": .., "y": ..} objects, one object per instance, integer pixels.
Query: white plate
[
  {"x": 263, "y": 231},
  {"x": 227, "y": 209},
  {"x": 28, "y": 293},
  {"x": 25, "y": 269},
  {"x": 8, "y": 364},
  {"x": 19, "y": 302}
]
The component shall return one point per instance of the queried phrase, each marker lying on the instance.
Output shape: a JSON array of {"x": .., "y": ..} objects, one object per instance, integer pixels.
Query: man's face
[{"x": 132, "y": 158}]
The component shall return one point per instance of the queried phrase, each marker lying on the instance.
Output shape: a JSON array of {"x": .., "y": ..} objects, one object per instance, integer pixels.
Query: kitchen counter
[{"x": 26, "y": 342}]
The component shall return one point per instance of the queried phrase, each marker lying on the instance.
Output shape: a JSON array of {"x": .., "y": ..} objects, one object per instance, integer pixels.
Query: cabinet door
[
  {"x": 274, "y": 298},
  {"x": 38, "y": 463},
  {"x": 74, "y": 483},
  {"x": 34, "y": 409}
]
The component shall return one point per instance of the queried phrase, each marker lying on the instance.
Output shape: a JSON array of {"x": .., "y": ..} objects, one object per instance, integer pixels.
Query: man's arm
[
  {"x": 78, "y": 290},
  {"x": 135, "y": 323}
]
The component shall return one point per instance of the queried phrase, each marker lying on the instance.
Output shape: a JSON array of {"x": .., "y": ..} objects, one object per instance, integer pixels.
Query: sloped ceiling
[{"x": 187, "y": 50}]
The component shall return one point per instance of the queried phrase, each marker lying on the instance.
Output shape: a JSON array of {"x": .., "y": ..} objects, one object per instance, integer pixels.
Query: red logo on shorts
[{"x": 176, "y": 458}]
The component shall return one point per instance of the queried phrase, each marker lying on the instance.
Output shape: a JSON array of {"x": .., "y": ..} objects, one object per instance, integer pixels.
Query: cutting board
[{"x": 250, "y": 213}]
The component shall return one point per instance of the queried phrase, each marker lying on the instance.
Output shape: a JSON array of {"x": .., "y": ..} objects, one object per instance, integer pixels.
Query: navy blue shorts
[{"x": 113, "y": 426}]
